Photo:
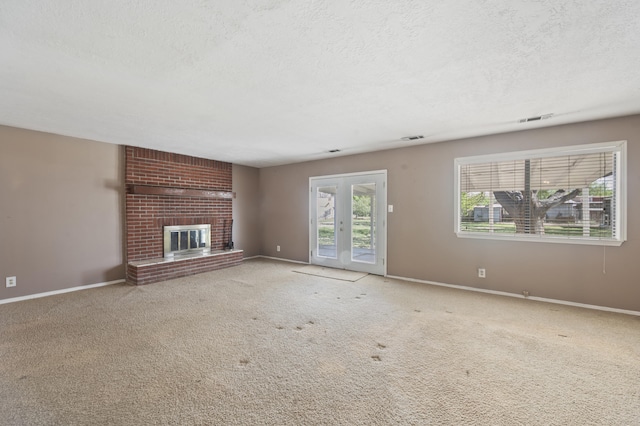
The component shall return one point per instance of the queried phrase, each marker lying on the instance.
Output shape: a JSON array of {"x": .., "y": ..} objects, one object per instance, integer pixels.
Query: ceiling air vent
[
  {"x": 538, "y": 118},
  {"x": 412, "y": 138}
]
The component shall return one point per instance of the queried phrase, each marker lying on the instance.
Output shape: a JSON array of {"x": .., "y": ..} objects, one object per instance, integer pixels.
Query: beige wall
[
  {"x": 246, "y": 218},
  {"x": 421, "y": 240},
  {"x": 61, "y": 212}
]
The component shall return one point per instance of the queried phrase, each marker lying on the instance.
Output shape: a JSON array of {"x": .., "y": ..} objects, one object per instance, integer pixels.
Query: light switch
[{"x": 390, "y": 208}]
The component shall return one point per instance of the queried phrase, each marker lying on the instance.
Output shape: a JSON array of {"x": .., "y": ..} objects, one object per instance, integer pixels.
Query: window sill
[{"x": 539, "y": 239}]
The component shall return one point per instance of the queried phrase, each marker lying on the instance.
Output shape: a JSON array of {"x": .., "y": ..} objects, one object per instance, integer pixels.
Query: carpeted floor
[{"x": 259, "y": 344}]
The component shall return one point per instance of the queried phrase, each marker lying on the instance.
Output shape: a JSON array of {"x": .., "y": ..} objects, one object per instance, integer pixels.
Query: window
[{"x": 573, "y": 195}]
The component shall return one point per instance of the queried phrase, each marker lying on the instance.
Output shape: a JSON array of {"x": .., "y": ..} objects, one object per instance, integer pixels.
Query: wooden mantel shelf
[{"x": 178, "y": 192}]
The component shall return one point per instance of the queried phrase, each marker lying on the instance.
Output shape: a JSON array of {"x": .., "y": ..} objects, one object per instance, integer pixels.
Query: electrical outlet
[
  {"x": 277, "y": 248},
  {"x": 11, "y": 281},
  {"x": 482, "y": 273}
]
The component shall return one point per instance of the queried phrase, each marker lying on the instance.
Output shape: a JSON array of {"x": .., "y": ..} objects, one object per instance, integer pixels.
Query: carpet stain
[
  {"x": 244, "y": 362},
  {"x": 311, "y": 323},
  {"x": 381, "y": 346},
  {"x": 376, "y": 358},
  {"x": 298, "y": 328},
  {"x": 358, "y": 297},
  {"x": 279, "y": 327},
  {"x": 417, "y": 310}
]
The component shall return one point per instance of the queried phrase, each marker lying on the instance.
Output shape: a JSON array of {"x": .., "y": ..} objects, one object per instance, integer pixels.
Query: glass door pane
[
  {"x": 174, "y": 241},
  {"x": 184, "y": 240},
  {"x": 326, "y": 220},
  {"x": 363, "y": 222}
]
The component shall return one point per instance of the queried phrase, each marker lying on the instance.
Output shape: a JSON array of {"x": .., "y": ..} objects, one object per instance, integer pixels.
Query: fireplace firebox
[{"x": 186, "y": 239}]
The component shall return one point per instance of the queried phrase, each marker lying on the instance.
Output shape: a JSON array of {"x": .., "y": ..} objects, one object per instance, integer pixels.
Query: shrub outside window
[{"x": 573, "y": 194}]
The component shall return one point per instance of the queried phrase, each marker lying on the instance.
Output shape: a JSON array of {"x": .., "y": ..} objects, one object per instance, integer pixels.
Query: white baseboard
[
  {"x": 504, "y": 293},
  {"x": 276, "y": 258},
  {"x": 62, "y": 291}
]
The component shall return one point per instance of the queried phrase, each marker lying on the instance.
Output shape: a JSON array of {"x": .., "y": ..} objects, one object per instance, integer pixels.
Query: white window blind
[{"x": 560, "y": 194}]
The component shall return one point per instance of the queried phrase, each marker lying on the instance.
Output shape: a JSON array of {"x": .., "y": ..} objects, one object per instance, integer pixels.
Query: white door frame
[{"x": 344, "y": 182}]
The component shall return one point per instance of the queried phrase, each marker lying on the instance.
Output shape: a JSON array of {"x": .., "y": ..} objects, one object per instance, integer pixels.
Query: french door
[{"x": 347, "y": 217}]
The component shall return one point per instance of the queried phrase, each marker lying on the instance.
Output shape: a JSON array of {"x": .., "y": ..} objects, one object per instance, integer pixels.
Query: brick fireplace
[{"x": 174, "y": 190}]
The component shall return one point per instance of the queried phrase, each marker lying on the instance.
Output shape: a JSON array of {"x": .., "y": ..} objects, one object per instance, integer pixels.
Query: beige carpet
[
  {"x": 336, "y": 274},
  {"x": 261, "y": 345}
]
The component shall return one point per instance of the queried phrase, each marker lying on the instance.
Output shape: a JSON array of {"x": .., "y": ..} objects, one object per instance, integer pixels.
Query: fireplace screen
[{"x": 186, "y": 239}]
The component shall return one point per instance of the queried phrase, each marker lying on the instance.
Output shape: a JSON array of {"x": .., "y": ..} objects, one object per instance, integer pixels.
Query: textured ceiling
[{"x": 269, "y": 82}]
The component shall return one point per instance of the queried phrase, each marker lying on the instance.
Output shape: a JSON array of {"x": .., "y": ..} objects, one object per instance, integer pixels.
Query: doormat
[{"x": 336, "y": 274}]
